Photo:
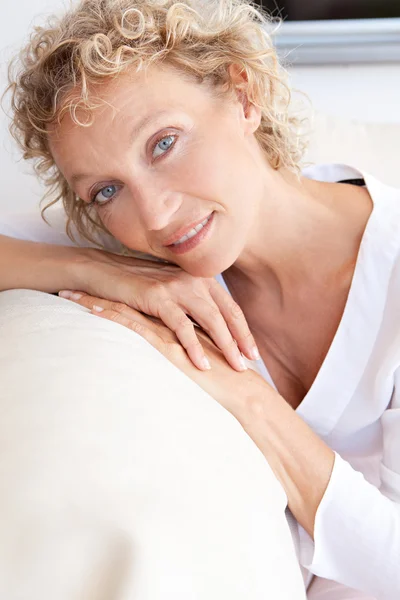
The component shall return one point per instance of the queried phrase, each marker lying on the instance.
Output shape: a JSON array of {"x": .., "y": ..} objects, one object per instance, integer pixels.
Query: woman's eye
[
  {"x": 164, "y": 145},
  {"x": 105, "y": 194}
]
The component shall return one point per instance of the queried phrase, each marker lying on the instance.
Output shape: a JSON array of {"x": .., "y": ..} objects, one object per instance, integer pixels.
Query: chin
[
  {"x": 216, "y": 256},
  {"x": 198, "y": 270},
  {"x": 208, "y": 267}
]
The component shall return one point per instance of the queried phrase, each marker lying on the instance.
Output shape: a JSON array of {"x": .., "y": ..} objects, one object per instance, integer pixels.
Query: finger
[
  {"x": 138, "y": 326},
  {"x": 89, "y": 301},
  {"x": 208, "y": 316},
  {"x": 178, "y": 322},
  {"x": 140, "y": 323},
  {"x": 235, "y": 320},
  {"x": 175, "y": 319},
  {"x": 70, "y": 295}
]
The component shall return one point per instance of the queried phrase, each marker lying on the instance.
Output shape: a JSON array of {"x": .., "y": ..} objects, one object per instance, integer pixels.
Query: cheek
[
  {"x": 210, "y": 172},
  {"x": 123, "y": 224}
]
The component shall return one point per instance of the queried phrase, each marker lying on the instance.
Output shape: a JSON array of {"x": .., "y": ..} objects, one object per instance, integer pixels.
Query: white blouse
[{"x": 354, "y": 406}]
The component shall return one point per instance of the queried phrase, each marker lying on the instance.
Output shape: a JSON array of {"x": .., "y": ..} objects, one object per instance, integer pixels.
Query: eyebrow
[{"x": 137, "y": 129}]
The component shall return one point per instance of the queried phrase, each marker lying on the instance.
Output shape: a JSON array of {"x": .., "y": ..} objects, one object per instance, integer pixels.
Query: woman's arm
[
  {"x": 38, "y": 266},
  {"x": 302, "y": 462},
  {"x": 161, "y": 290},
  {"x": 349, "y": 529}
]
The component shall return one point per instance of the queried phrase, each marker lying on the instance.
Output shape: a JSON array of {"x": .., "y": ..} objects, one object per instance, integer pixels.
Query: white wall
[
  {"x": 366, "y": 92},
  {"x": 17, "y": 17}
]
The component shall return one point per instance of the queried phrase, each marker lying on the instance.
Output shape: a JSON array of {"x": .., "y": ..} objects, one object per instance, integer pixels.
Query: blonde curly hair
[{"x": 99, "y": 39}]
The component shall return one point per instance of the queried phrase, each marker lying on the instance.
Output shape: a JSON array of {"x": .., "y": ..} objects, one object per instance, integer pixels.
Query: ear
[{"x": 250, "y": 113}]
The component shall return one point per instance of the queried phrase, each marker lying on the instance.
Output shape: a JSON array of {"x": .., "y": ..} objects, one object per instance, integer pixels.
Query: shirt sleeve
[{"x": 357, "y": 526}]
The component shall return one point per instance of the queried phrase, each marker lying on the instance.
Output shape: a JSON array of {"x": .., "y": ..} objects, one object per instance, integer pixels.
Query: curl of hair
[{"x": 56, "y": 72}]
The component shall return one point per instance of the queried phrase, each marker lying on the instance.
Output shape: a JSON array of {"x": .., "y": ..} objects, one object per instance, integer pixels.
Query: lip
[
  {"x": 184, "y": 231},
  {"x": 197, "y": 239}
]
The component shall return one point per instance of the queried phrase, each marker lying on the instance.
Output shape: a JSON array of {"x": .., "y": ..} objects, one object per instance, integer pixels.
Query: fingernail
[
  {"x": 242, "y": 363},
  {"x": 76, "y": 296},
  {"x": 97, "y": 308},
  {"x": 65, "y": 294},
  {"x": 254, "y": 353},
  {"x": 206, "y": 363}
]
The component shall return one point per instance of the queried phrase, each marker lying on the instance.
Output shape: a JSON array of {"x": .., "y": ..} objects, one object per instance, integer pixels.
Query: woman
[{"x": 166, "y": 124}]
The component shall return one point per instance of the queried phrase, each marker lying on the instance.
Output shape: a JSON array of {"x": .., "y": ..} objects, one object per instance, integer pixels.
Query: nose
[{"x": 156, "y": 204}]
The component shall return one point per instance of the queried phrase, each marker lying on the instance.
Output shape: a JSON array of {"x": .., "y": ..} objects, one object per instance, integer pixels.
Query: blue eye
[
  {"x": 164, "y": 145},
  {"x": 105, "y": 194}
]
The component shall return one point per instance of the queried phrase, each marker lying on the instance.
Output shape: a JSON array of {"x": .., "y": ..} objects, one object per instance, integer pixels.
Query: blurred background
[
  {"x": 299, "y": 10},
  {"x": 345, "y": 54}
]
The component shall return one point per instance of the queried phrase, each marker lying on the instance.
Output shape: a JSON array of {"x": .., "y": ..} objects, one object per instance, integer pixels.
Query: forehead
[{"x": 132, "y": 96}]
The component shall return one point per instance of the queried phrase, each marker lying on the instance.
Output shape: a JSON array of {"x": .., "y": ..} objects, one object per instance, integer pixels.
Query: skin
[
  {"x": 287, "y": 247},
  {"x": 283, "y": 242}
]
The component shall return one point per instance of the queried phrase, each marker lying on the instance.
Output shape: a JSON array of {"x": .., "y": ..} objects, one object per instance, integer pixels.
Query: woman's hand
[
  {"x": 170, "y": 294},
  {"x": 231, "y": 389}
]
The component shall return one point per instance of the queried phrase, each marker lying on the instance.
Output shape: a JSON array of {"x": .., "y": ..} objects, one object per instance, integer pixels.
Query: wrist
[
  {"x": 59, "y": 267},
  {"x": 78, "y": 266},
  {"x": 38, "y": 266}
]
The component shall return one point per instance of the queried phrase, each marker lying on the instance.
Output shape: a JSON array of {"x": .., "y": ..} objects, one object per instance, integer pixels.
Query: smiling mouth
[
  {"x": 184, "y": 233},
  {"x": 192, "y": 232},
  {"x": 194, "y": 237}
]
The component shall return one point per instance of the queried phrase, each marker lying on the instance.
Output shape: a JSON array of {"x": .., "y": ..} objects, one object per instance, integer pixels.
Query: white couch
[{"x": 120, "y": 477}]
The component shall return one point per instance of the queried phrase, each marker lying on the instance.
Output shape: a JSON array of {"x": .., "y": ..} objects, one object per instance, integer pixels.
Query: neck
[{"x": 307, "y": 234}]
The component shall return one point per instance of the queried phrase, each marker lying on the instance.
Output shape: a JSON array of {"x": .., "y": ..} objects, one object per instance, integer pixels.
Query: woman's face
[{"x": 166, "y": 157}]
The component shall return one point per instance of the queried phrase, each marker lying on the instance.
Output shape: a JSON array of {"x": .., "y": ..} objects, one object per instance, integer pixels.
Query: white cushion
[{"x": 120, "y": 477}]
